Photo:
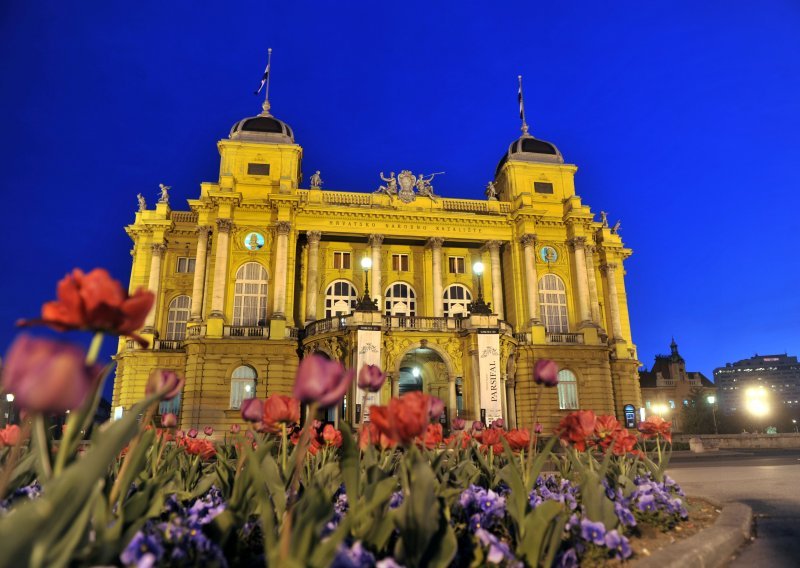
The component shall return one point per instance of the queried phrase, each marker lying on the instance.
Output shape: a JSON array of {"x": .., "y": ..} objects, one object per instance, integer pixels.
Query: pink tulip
[
  {"x": 458, "y": 423},
  {"x": 477, "y": 426},
  {"x": 252, "y": 409},
  {"x": 208, "y": 430},
  {"x": 163, "y": 380},
  {"x": 436, "y": 408},
  {"x": 180, "y": 434},
  {"x": 192, "y": 433},
  {"x": 545, "y": 372},
  {"x": 235, "y": 428},
  {"x": 370, "y": 378},
  {"x": 321, "y": 381},
  {"x": 169, "y": 420},
  {"x": 45, "y": 375},
  {"x": 538, "y": 428},
  {"x": 499, "y": 424}
]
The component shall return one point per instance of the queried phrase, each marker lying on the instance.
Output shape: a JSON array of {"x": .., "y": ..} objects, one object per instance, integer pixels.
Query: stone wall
[{"x": 744, "y": 441}]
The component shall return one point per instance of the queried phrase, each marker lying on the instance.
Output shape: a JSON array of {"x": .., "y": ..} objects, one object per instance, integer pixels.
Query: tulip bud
[
  {"x": 458, "y": 423},
  {"x": 499, "y": 424},
  {"x": 477, "y": 426},
  {"x": 192, "y": 433},
  {"x": 252, "y": 409},
  {"x": 169, "y": 420},
  {"x": 370, "y": 378},
  {"x": 545, "y": 372},
  {"x": 321, "y": 381},
  {"x": 436, "y": 407},
  {"x": 538, "y": 428},
  {"x": 235, "y": 428},
  {"x": 164, "y": 381},
  {"x": 208, "y": 430}
]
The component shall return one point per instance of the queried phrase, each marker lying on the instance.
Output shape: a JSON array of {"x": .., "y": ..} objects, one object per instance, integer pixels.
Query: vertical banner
[
  {"x": 368, "y": 353},
  {"x": 489, "y": 376}
]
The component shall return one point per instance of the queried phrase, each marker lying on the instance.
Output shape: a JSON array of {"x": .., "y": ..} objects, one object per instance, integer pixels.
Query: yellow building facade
[{"x": 464, "y": 295}]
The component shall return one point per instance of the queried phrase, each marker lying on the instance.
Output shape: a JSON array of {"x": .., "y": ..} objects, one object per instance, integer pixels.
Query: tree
[{"x": 697, "y": 417}]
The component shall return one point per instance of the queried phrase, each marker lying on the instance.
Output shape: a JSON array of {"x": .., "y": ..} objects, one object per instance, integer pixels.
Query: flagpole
[
  {"x": 266, "y": 104},
  {"x": 522, "y": 107}
]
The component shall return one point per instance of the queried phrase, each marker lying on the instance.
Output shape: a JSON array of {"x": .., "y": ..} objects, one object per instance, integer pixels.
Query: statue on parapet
[
  {"x": 316, "y": 180},
  {"x": 142, "y": 202},
  {"x": 424, "y": 186},
  {"x": 604, "y": 218},
  {"x": 616, "y": 227},
  {"x": 164, "y": 193},
  {"x": 390, "y": 188},
  {"x": 491, "y": 191}
]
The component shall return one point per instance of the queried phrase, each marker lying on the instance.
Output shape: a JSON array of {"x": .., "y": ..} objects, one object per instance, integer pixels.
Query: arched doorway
[{"x": 424, "y": 369}]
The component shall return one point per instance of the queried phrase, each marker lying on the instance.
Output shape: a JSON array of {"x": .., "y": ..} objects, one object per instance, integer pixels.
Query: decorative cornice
[
  {"x": 283, "y": 227},
  {"x": 313, "y": 237},
  {"x": 224, "y": 225},
  {"x": 527, "y": 240}
]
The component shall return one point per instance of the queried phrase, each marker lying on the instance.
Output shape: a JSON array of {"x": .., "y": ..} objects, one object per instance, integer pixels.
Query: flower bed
[{"x": 396, "y": 493}]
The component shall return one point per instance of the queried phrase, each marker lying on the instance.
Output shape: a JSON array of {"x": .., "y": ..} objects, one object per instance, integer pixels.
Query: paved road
[{"x": 768, "y": 481}]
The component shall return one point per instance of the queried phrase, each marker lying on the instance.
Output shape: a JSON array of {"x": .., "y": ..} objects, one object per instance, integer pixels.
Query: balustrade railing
[
  {"x": 523, "y": 337},
  {"x": 324, "y": 325},
  {"x": 196, "y": 331},
  {"x": 183, "y": 216},
  {"x": 167, "y": 345},
  {"x": 574, "y": 338},
  {"x": 422, "y": 323},
  {"x": 245, "y": 331}
]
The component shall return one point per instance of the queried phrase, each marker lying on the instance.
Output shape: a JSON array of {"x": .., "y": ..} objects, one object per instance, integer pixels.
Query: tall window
[
  {"x": 567, "y": 390},
  {"x": 250, "y": 295},
  {"x": 243, "y": 385},
  {"x": 400, "y": 262},
  {"x": 341, "y": 260},
  {"x": 170, "y": 406},
  {"x": 401, "y": 300},
  {"x": 456, "y": 264},
  {"x": 340, "y": 298},
  {"x": 177, "y": 316},
  {"x": 185, "y": 264},
  {"x": 456, "y": 301},
  {"x": 553, "y": 303}
]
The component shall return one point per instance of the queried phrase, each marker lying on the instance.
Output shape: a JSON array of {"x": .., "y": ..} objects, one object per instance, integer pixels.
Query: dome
[
  {"x": 262, "y": 128},
  {"x": 530, "y": 149}
]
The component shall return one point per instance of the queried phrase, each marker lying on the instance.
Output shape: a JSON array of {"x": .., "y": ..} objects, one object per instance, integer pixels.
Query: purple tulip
[
  {"x": 208, "y": 430},
  {"x": 477, "y": 426},
  {"x": 45, "y": 375},
  {"x": 370, "y": 378},
  {"x": 499, "y": 424},
  {"x": 321, "y": 381},
  {"x": 252, "y": 409},
  {"x": 168, "y": 382},
  {"x": 538, "y": 428},
  {"x": 169, "y": 420},
  {"x": 436, "y": 407},
  {"x": 545, "y": 372},
  {"x": 235, "y": 428},
  {"x": 192, "y": 433},
  {"x": 458, "y": 423}
]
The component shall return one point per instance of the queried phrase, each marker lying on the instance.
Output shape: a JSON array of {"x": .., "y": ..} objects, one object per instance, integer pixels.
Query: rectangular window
[
  {"x": 240, "y": 390},
  {"x": 185, "y": 264},
  {"x": 542, "y": 187},
  {"x": 567, "y": 395},
  {"x": 341, "y": 260},
  {"x": 456, "y": 264},
  {"x": 400, "y": 262},
  {"x": 258, "y": 169}
]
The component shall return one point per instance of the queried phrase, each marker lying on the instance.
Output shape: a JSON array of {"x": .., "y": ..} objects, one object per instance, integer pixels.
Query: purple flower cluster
[
  {"x": 396, "y": 500},
  {"x": 588, "y": 534},
  {"x": 483, "y": 508},
  {"x": 661, "y": 503},
  {"x": 177, "y": 538},
  {"x": 340, "y": 507},
  {"x": 551, "y": 488},
  {"x": 498, "y": 551},
  {"x": 353, "y": 556},
  {"x": 31, "y": 491}
]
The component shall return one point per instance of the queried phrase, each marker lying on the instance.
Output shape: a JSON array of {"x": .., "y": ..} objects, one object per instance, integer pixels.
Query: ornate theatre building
[{"x": 455, "y": 297}]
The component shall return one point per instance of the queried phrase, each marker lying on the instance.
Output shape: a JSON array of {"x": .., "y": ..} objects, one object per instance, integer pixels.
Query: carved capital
[
  {"x": 590, "y": 249},
  {"x": 609, "y": 267},
  {"x": 158, "y": 249},
  {"x": 527, "y": 240},
  {"x": 435, "y": 242},
  {"x": 203, "y": 231},
  {"x": 224, "y": 225},
  {"x": 283, "y": 227},
  {"x": 375, "y": 240},
  {"x": 493, "y": 246},
  {"x": 313, "y": 237},
  {"x": 578, "y": 242}
]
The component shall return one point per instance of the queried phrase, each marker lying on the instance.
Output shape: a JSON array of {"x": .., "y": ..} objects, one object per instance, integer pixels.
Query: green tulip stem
[
  {"x": 94, "y": 349},
  {"x": 284, "y": 440},
  {"x": 40, "y": 440},
  {"x": 116, "y": 489},
  {"x": 532, "y": 440}
]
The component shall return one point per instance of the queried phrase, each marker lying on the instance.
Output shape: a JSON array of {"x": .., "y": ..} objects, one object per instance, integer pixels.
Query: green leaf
[{"x": 535, "y": 527}]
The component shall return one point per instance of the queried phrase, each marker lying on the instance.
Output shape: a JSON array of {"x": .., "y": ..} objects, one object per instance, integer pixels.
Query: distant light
[
  {"x": 711, "y": 399},
  {"x": 756, "y": 401},
  {"x": 415, "y": 372},
  {"x": 118, "y": 412},
  {"x": 248, "y": 388},
  {"x": 10, "y": 397},
  {"x": 366, "y": 263},
  {"x": 477, "y": 268},
  {"x": 642, "y": 416}
]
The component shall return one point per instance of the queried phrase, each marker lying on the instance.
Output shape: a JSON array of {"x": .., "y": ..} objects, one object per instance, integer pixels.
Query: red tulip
[
  {"x": 280, "y": 409},
  {"x": 623, "y": 442},
  {"x": 169, "y": 420},
  {"x": 404, "y": 418},
  {"x": 545, "y": 372},
  {"x": 432, "y": 437},
  {"x": 180, "y": 434},
  {"x": 370, "y": 378},
  {"x": 321, "y": 381},
  {"x": 490, "y": 438},
  {"x": 9, "y": 436},
  {"x": 46, "y": 375},
  {"x": 252, "y": 409},
  {"x": 518, "y": 439},
  {"x": 656, "y": 426},
  {"x": 332, "y": 436},
  {"x": 208, "y": 430},
  {"x": 203, "y": 448},
  {"x": 163, "y": 380},
  {"x": 96, "y": 302},
  {"x": 577, "y": 428}
]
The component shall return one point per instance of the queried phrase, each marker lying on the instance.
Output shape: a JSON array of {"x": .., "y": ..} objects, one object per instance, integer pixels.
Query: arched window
[
  {"x": 250, "y": 295},
  {"x": 553, "y": 303},
  {"x": 456, "y": 301},
  {"x": 340, "y": 298},
  {"x": 243, "y": 385},
  {"x": 400, "y": 300},
  {"x": 177, "y": 316},
  {"x": 567, "y": 390}
]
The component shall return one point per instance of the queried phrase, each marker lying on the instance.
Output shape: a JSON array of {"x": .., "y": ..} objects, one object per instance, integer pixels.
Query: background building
[
  {"x": 261, "y": 271},
  {"x": 667, "y": 388}
]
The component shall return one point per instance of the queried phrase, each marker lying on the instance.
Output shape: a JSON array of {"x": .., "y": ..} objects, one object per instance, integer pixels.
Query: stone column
[
  {"x": 312, "y": 276},
  {"x": 497, "y": 279},
  {"x": 224, "y": 227},
  {"x": 528, "y": 242},
  {"x": 153, "y": 284},
  {"x": 578, "y": 244},
  {"x": 436, "y": 252},
  {"x": 511, "y": 403},
  {"x": 452, "y": 406},
  {"x": 199, "y": 272},
  {"x": 503, "y": 400},
  {"x": 611, "y": 281},
  {"x": 395, "y": 386},
  {"x": 376, "y": 287},
  {"x": 281, "y": 258},
  {"x": 594, "y": 305}
]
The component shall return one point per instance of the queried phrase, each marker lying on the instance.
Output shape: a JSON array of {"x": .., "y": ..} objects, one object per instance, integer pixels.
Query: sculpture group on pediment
[{"x": 407, "y": 183}]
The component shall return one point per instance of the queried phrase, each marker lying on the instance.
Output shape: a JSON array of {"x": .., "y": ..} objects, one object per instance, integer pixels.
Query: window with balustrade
[
  {"x": 567, "y": 390},
  {"x": 250, "y": 295},
  {"x": 457, "y": 299},
  {"x": 340, "y": 298},
  {"x": 243, "y": 385},
  {"x": 177, "y": 316},
  {"x": 400, "y": 300},
  {"x": 553, "y": 304}
]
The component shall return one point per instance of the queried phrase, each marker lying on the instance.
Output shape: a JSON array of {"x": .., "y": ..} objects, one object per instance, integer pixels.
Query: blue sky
[{"x": 682, "y": 117}]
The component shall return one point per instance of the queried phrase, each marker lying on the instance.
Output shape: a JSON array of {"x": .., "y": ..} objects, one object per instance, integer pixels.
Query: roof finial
[
  {"x": 522, "y": 107},
  {"x": 265, "y": 83}
]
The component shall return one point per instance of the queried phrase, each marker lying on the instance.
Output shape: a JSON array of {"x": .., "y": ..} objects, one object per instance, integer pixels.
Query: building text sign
[
  {"x": 368, "y": 353},
  {"x": 489, "y": 376}
]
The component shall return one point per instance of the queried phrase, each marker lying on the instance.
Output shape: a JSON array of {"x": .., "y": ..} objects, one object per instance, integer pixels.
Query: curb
[{"x": 711, "y": 547}]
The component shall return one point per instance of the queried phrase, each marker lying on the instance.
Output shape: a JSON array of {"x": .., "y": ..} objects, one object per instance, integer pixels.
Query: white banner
[
  {"x": 368, "y": 353},
  {"x": 489, "y": 376}
]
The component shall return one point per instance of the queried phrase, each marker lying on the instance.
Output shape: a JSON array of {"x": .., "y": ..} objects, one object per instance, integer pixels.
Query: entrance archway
[{"x": 425, "y": 369}]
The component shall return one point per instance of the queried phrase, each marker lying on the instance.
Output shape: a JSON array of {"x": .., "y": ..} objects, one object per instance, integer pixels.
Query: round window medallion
[{"x": 253, "y": 241}]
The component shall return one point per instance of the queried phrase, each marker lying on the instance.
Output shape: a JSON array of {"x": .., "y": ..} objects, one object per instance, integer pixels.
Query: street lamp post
[
  {"x": 794, "y": 422},
  {"x": 712, "y": 401},
  {"x": 9, "y": 413},
  {"x": 366, "y": 304},
  {"x": 479, "y": 306}
]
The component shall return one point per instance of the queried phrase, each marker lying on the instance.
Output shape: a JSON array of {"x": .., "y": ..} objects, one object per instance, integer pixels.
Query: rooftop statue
[
  {"x": 604, "y": 218},
  {"x": 491, "y": 191},
  {"x": 424, "y": 186},
  {"x": 316, "y": 180},
  {"x": 407, "y": 181},
  {"x": 391, "y": 185},
  {"x": 142, "y": 202},
  {"x": 164, "y": 193}
]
